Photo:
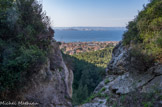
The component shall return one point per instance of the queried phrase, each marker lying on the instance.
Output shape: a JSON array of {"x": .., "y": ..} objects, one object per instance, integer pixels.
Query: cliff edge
[
  {"x": 52, "y": 85},
  {"x": 134, "y": 75},
  {"x": 128, "y": 82}
]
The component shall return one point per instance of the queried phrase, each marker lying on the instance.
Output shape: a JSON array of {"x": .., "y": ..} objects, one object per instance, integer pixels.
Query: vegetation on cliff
[
  {"x": 141, "y": 50},
  {"x": 145, "y": 32},
  {"x": 25, "y": 37}
]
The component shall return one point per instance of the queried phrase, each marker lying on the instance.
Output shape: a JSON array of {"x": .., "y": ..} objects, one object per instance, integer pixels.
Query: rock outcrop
[
  {"x": 52, "y": 85},
  {"x": 128, "y": 83}
]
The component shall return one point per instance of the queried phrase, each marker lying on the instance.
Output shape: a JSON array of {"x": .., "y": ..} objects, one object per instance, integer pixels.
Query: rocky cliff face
[
  {"x": 52, "y": 85},
  {"x": 129, "y": 83}
]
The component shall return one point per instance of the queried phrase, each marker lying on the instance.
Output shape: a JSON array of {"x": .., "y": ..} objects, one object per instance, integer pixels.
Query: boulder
[
  {"x": 129, "y": 82},
  {"x": 153, "y": 85}
]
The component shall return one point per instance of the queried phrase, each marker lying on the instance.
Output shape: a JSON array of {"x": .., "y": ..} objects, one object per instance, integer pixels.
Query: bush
[
  {"x": 25, "y": 37},
  {"x": 106, "y": 81},
  {"x": 142, "y": 57},
  {"x": 146, "y": 31}
]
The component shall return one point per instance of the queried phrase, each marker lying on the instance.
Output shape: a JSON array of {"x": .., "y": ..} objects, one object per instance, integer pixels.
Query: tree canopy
[
  {"x": 25, "y": 37},
  {"x": 145, "y": 31},
  {"x": 89, "y": 70}
]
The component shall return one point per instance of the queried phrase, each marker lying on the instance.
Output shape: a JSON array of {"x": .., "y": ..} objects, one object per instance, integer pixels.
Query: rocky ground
[{"x": 129, "y": 83}]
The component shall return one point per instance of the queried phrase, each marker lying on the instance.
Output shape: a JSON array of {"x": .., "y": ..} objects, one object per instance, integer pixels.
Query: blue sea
[{"x": 82, "y": 35}]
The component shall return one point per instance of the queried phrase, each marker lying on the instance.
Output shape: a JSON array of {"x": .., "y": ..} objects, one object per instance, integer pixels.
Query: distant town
[{"x": 80, "y": 47}]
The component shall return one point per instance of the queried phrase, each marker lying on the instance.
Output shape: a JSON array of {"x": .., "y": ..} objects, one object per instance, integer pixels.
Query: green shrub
[
  {"x": 106, "y": 81},
  {"x": 25, "y": 37},
  {"x": 90, "y": 98},
  {"x": 147, "y": 104},
  {"x": 103, "y": 89},
  {"x": 99, "y": 94},
  {"x": 142, "y": 56},
  {"x": 101, "y": 102},
  {"x": 145, "y": 30}
]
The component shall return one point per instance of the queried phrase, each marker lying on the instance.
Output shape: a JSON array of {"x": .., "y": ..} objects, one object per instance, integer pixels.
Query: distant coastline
[
  {"x": 88, "y": 34},
  {"x": 89, "y": 28}
]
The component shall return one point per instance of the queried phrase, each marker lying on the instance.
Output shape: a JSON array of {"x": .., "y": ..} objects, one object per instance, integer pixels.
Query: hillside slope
[
  {"x": 134, "y": 74},
  {"x": 100, "y": 58},
  {"x": 128, "y": 83},
  {"x": 32, "y": 70},
  {"x": 89, "y": 70}
]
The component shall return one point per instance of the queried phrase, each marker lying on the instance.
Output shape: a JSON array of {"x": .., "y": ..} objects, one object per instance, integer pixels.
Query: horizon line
[{"x": 86, "y": 26}]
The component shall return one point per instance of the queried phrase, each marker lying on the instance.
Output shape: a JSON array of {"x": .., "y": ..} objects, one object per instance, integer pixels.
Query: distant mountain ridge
[{"x": 89, "y": 28}]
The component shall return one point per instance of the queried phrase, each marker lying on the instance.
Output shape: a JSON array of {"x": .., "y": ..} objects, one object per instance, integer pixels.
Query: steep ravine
[
  {"x": 52, "y": 85},
  {"x": 128, "y": 83}
]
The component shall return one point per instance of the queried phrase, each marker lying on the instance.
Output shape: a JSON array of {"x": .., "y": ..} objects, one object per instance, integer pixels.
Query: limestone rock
[
  {"x": 119, "y": 60},
  {"x": 105, "y": 82},
  {"x": 52, "y": 85},
  {"x": 158, "y": 70},
  {"x": 129, "y": 82},
  {"x": 127, "y": 76},
  {"x": 153, "y": 85}
]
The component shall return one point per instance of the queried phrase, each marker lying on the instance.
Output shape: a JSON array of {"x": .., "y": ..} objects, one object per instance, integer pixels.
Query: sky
[{"x": 92, "y": 13}]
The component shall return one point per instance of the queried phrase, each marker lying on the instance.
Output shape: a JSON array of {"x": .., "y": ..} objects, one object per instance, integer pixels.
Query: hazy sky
[{"x": 105, "y": 13}]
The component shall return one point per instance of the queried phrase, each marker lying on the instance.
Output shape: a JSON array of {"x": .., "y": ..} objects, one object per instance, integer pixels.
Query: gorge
[{"x": 33, "y": 69}]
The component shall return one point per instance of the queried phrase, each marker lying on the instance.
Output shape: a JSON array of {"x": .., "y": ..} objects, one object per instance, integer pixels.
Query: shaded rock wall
[{"x": 52, "y": 85}]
